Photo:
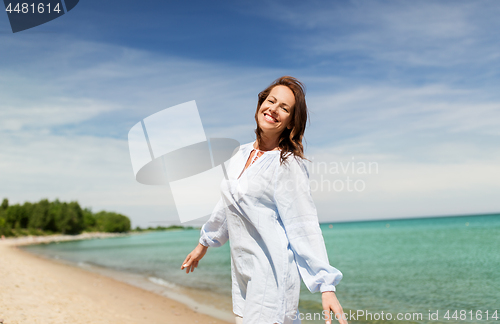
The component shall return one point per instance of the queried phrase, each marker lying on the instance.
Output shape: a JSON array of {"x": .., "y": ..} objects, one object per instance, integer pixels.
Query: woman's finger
[
  {"x": 339, "y": 315},
  {"x": 185, "y": 261},
  {"x": 187, "y": 265},
  {"x": 326, "y": 313}
]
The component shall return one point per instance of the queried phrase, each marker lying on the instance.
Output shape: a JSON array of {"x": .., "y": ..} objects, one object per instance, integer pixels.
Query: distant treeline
[
  {"x": 163, "y": 228},
  {"x": 45, "y": 217}
]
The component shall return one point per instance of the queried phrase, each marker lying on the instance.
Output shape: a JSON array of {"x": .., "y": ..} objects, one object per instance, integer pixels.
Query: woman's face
[{"x": 275, "y": 113}]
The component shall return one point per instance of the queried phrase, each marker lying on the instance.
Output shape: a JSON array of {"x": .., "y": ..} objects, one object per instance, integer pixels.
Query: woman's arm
[
  {"x": 213, "y": 233},
  {"x": 298, "y": 215}
]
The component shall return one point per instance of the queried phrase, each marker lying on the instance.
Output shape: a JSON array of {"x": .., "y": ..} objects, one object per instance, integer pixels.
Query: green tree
[
  {"x": 112, "y": 222},
  {"x": 5, "y": 227},
  {"x": 27, "y": 209},
  {"x": 16, "y": 216},
  {"x": 5, "y": 203},
  {"x": 57, "y": 217},
  {"x": 89, "y": 220},
  {"x": 70, "y": 219},
  {"x": 55, "y": 210},
  {"x": 40, "y": 216}
]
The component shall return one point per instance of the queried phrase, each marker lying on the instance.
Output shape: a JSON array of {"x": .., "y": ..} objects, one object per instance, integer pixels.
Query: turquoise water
[{"x": 394, "y": 266}]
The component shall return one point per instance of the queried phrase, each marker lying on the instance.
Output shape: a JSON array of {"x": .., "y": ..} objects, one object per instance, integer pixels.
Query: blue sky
[{"x": 410, "y": 86}]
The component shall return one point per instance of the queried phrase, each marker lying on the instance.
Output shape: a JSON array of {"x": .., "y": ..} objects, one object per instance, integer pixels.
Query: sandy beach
[{"x": 37, "y": 290}]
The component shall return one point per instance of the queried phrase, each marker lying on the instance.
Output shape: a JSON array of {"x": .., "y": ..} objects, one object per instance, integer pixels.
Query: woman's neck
[{"x": 267, "y": 144}]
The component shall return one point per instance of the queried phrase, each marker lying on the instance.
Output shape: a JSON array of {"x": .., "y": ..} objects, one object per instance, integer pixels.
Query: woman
[{"x": 268, "y": 215}]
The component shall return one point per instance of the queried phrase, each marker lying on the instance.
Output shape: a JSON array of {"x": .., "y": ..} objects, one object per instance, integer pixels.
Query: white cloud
[
  {"x": 429, "y": 119},
  {"x": 392, "y": 33},
  {"x": 49, "y": 112}
]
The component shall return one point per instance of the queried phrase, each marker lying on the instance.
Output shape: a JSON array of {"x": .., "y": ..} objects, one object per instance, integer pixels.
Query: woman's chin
[{"x": 269, "y": 129}]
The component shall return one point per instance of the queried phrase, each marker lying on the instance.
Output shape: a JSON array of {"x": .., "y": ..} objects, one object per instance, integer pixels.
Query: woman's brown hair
[{"x": 290, "y": 141}]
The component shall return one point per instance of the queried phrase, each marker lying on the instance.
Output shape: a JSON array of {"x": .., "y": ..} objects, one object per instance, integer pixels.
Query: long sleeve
[
  {"x": 297, "y": 212},
  {"x": 214, "y": 232}
]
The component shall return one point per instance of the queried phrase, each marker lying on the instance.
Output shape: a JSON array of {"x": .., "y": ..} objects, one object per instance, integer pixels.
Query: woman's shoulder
[
  {"x": 293, "y": 160},
  {"x": 293, "y": 165}
]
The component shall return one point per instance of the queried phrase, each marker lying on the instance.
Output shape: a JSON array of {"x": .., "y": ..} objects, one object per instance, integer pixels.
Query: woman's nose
[{"x": 273, "y": 108}]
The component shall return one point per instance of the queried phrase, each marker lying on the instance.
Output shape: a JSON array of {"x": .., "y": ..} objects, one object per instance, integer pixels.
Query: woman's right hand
[
  {"x": 194, "y": 257},
  {"x": 331, "y": 303}
]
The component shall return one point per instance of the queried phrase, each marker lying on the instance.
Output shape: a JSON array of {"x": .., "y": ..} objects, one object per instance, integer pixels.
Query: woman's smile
[{"x": 270, "y": 118}]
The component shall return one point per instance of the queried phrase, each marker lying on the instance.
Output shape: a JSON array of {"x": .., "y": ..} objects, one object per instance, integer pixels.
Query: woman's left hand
[{"x": 331, "y": 303}]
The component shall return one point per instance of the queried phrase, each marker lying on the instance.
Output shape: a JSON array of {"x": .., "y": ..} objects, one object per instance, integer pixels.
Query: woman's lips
[{"x": 270, "y": 119}]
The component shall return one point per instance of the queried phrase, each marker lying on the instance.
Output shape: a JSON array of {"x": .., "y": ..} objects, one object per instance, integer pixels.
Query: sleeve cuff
[
  {"x": 203, "y": 242},
  {"x": 324, "y": 288}
]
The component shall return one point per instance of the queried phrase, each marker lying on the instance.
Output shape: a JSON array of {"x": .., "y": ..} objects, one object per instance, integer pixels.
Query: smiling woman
[
  {"x": 284, "y": 101},
  {"x": 270, "y": 218}
]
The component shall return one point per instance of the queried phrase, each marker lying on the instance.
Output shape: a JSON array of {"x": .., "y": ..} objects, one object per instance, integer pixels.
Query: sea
[{"x": 422, "y": 270}]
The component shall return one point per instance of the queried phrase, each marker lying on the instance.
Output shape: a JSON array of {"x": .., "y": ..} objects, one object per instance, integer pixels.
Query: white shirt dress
[{"x": 270, "y": 220}]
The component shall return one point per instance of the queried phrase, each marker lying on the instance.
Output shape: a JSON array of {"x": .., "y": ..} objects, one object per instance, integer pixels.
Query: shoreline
[
  {"x": 38, "y": 289},
  {"x": 33, "y": 239}
]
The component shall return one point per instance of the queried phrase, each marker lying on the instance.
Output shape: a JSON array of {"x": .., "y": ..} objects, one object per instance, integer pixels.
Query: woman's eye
[{"x": 284, "y": 109}]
